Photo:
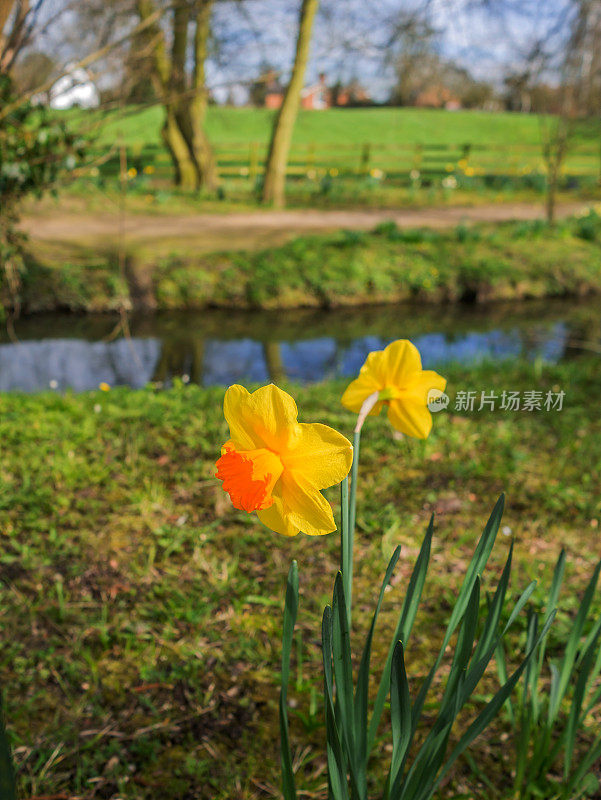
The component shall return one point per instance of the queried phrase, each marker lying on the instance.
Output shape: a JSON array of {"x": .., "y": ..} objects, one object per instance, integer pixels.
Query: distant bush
[
  {"x": 391, "y": 232},
  {"x": 530, "y": 229},
  {"x": 588, "y": 227},
  {"x": 467, "y": 233},
  {"x": 33, "y": 150}
]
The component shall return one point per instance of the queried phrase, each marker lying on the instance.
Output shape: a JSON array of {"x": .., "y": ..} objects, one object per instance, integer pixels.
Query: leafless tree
[
  {"x": 579, "y": 71},
  {"x": 281, "y": 137},
  {"x": 184, "y": 95},
  {"x": 17, "y": 22}
]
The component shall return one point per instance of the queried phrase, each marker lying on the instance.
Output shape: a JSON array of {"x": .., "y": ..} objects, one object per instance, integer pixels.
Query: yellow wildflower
[
  {"x": 148, "y": 169},
  {"x": 276, "y": 466},
  {"x": 104, "y": 387},
  {"x": 403, "y": 386}
]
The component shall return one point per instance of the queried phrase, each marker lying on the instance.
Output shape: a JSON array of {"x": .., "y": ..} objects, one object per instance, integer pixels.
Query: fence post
[
  {"x": 310, "y": 162},
  {"x": 365, "y": 158},
  {"x": 253, "y": 160},
  {"x": 418, "y": 156}
]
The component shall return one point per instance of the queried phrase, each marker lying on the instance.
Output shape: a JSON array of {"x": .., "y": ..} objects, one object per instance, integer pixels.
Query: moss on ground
[{"x": 141, "y": 612}]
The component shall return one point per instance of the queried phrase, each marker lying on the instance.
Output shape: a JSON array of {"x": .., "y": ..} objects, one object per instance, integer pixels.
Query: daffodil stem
[
  {"x": 354, "y": 474},
  {"x": 346, "y": 548},
  {"x": 348, "y": 511}
]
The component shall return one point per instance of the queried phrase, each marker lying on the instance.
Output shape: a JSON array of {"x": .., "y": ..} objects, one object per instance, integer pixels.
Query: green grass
[
  {"x": 141, "y": 613},
  {"x": 508, "y": 261},
  {"x": 386, "y": 126},
  {"x": 348, "y": 157},
  {"x": 156, "y": 195}
]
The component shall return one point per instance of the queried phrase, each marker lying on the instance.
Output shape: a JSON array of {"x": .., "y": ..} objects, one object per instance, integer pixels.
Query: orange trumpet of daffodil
[
  {"x": 396, "y": 375},
  {"x": 276, "y": 466}
]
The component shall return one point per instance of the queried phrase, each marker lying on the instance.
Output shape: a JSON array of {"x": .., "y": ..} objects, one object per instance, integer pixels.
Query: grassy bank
[
  {"x": 141, "y": 613},
  {"x": 502, "y": 262}
]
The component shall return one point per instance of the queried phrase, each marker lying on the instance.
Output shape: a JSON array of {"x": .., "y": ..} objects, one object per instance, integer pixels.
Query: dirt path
[{"x": 234, "y": 229}]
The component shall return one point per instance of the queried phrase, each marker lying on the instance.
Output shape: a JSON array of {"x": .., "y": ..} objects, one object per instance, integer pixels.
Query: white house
[{"x": 75, "y": 88}]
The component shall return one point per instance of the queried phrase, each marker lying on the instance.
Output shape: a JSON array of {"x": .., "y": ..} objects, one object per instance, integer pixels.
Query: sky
[{"x": 349, "y": 38}]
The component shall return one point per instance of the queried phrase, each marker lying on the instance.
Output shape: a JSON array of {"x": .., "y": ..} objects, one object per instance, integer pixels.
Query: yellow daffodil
[
  {"x": 276, "y": 466},
  {"x": 396, "y": 374}
]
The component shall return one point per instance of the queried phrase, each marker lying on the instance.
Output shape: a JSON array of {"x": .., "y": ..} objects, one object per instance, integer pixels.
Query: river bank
[{"x": 467, "y": 263}]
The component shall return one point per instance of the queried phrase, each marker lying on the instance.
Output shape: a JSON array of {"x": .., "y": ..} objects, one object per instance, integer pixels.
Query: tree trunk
[
  {"x": 186, "y": 173},
  {"x": 199, "y": 141},
  {"x": 6, "y": 6},
  {"x": 185, "y": 107},
  {"x": 14, "y": 40},
  {"x": 177, "y": 122},
  {"x": 554, "y": 152},
  {"x": 281, "y": 137},
  {"x": 162, "y": 76},
  {"x": 190, "y": 102},
  {"x": 551, "y": 194}
]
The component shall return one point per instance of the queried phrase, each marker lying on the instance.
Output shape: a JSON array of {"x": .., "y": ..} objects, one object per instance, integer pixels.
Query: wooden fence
[{"x": 314, "y": 160}]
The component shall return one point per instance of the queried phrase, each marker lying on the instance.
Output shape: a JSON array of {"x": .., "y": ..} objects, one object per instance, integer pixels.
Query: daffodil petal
[
  {"x": 410, "y": 417},
  {"x": 320, "y": 455},
  {"x": 240, "y": 418},
  {"x": 276, "y": 518},
  {"x": 419, "y": 386},
  {"x": 304, "y": 506},
  {"x": 275, "y": 414},
  {"x": 357, "y": 392},
  {"x": 265, "y": 418},
  {"x": 400, "y": 360}
]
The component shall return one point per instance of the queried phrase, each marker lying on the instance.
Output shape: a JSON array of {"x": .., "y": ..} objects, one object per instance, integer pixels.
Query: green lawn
[
  {"x": 334, "y": 151},
  {"x": 141, "y": 613},
  {"x": 385, "y": 126}
]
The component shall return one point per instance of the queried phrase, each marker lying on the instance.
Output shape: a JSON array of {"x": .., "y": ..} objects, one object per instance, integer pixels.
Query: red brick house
[
  {"x": 437, "y": 96},
  {"x": 274, "y": 91},
  {"x": 353, "y": 94},
  {"x": 317, "y": 96}
]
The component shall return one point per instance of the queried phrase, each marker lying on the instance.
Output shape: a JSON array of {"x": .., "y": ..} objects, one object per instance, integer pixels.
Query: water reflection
[
  {"x": 70, "y": 363},
  {"x": 218, "y": 349}
]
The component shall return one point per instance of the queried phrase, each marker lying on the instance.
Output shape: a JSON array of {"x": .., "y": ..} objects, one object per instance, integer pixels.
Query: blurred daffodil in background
[
  {"x": 276, "y": 466},
  {"x": 396, "y": 376}
]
